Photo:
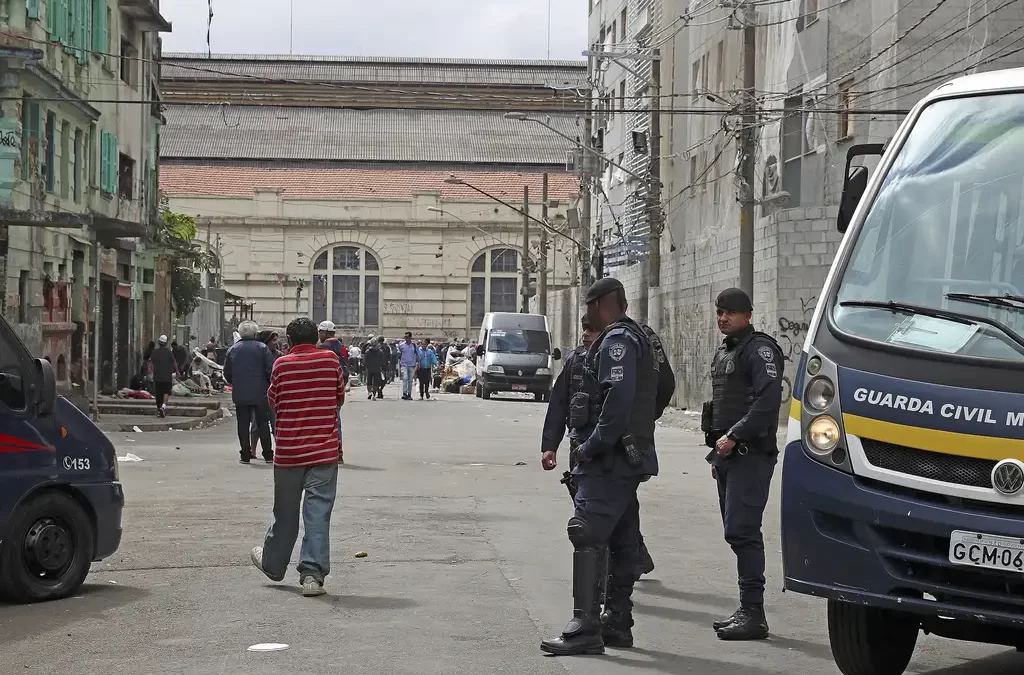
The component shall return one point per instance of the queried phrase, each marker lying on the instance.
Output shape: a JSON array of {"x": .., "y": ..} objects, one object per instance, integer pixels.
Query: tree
[{"x": 188, "y": 260}]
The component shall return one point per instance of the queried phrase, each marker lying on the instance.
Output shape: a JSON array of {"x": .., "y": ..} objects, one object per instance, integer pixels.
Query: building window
[
  {"x": 346, "y": 287},
  {"x": 622, "y": 96},
  {"x": 125, "y": 177},
  {"x": 128, "y": 57},
  {"x": 845, "y": 104},
  {"x": 720, "y": 68},
  {"x": 65, "y": 159},
  {"x": 808, "y": 14},
  {"x": 76, "y": 169},
  {"x": 792, "y": 147},
  {"x": 51, "y": 124},
  {"x": 695, "y": 78},
  {"x": 494, "y": 284},
  {"x": 622, "y": 21},
  {"x": 108, "y": 163},
  {"x": 29, "y": 138}
]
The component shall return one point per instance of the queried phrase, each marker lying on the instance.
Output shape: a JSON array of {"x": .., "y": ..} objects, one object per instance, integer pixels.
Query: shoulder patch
[
  {"x": 766, "y": 353},
  {"x": 617, "y": 373},
  {"x": 617, "y": 351}
]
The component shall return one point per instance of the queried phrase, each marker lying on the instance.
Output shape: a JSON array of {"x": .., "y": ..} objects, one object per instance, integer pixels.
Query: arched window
[
  {"x": 346, "y": 287},
  {"x": 494, "y": 283}
]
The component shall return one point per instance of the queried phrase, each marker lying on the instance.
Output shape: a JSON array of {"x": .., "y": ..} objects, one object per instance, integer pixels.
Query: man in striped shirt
[{"x": 306, "y": 392}]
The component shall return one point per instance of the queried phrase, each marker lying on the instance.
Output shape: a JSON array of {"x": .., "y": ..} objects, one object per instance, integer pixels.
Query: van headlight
[
  {"x": 823, "y": 435},
  {"x": 497, "y": 370},
  {"x": 543, "y": 371},
  {"x": 819, "y": 394}
]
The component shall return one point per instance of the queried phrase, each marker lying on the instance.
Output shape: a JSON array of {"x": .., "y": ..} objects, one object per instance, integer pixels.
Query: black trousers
[
  {"x": 424, "y": 377},
  {"x": 375, "y": 382},
  {"x": 261, "y": 414},
  {"x": 743, "y": 483},
  {"x": 159, "y": 389},
  {"x": 609, "y": 505}
]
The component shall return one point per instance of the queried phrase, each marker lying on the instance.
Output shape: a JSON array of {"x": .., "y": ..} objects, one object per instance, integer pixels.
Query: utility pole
[
  {"x": 542, "y": 272},
  {"x": 586, "y": 254},
  {"x": 654, "y": 193},
  {"x": 525, "y": 302},
  {"x": 747, "y": 136}
]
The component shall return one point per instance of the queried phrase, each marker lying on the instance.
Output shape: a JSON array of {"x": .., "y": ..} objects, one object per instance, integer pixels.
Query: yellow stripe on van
[
  {"x": 934, "y": 440},
  {"x": 795, "y": 409}
]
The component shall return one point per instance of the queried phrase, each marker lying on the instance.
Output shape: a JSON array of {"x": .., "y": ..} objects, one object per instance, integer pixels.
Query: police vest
[
  {"x": 732, "y": 389},
  {"x": 641, "y": 420},
  {"x": 584, "y": 392}
]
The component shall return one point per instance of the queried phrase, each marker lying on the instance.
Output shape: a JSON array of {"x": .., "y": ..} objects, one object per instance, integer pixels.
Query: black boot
[
  {"x": 646, "y": 565},
  {"x": 750, "y": 624},
  {"x": 582, "y": 635},
  {"x": 616, "y": 629},
  {"x": 722, "y": 623}
]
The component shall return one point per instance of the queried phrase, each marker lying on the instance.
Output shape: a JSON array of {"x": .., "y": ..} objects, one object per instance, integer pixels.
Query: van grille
[{"x": 934, "y": 465}]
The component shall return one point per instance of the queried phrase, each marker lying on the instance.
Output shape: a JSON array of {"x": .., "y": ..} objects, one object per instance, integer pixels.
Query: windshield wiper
[
  {"x": 1003, "y": 300},
  {"x": 904, "y": 308},
  {"x": 966, "y": 319}
]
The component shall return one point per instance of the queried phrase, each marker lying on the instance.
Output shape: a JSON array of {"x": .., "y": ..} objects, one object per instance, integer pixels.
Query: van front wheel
[
  {"x": 48, "y": 551},
  {"x": 871, "y": 640}
]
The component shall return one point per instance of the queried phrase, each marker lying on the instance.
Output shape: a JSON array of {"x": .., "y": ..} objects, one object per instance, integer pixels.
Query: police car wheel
[
  {"x": 48, "y": 550},
  {"x": 871, "y": 640}
]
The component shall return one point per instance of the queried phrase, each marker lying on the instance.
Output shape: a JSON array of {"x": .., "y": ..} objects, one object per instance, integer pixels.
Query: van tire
[
  {"x": 540, "y": 398},
  {"x": 477, "y": 391},
  {"x": 485, "y": 393},
  {"x": 54, "y": 527},
  {"x": 871, "y": 640}
]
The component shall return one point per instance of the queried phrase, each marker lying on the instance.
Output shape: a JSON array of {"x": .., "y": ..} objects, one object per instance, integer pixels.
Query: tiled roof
[
  {"x": 340, "y": 134},
  {"x": 184, "y": 179},
  {"x": 375, "y": 70}
]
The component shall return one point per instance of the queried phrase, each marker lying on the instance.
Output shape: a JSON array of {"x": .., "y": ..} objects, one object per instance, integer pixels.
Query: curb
[{"x": 188, "y": 425}]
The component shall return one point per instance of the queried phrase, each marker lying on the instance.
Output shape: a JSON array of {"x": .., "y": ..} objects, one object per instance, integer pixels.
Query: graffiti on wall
[
  {"x": 10, "y": 155},
  {"x": 790, "y": 334},
  {"x": 398, "y": 308}
]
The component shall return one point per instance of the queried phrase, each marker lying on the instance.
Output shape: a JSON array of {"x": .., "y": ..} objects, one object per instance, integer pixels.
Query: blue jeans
[
  {"x": 320, "y": 484},
  {"x": 408, "y": 373}
]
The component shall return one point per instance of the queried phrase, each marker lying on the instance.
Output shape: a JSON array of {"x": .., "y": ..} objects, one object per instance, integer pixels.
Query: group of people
[{"x": 609, "y": 394}]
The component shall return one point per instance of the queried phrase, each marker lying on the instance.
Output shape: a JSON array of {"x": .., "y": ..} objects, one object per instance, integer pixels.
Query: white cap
[
  {"x": 327, "y": 326},
  {"x": 163, "y": 339}
]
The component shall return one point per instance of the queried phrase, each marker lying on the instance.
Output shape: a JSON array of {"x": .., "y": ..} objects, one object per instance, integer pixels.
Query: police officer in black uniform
[
  {"x": 740, "y": 424},
  {"x": 615, "y": 455}
]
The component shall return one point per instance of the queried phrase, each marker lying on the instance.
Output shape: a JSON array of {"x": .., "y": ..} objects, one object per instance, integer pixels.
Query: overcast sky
[{"x": 491, "y": 29}]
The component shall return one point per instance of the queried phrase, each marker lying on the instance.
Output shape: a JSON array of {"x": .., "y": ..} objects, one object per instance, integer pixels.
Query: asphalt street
[{"x": 468, "y": 565}]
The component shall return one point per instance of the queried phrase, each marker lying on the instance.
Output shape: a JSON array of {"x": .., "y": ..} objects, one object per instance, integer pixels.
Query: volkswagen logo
[
  {"x": 1008, "y": 477},
  {"x": 520, "y": 373}
]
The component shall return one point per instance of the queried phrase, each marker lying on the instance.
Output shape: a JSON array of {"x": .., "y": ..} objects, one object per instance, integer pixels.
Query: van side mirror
[
  {"x": 557, "y": 354},
  {"x": 479, "y": 350},
  {"x": 46, "y": 397},
  {"x": 855, "y": 183}
]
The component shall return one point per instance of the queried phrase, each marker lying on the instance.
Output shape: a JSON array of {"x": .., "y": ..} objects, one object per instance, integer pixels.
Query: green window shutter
[
  {"x": 87, "y": 24},
  {"x": 51, "y": 18},
  {"x": 100, "y": 27},
  {"x": 33, "y": 8},
  {"x": 82, "y": 41},
  {"x": 104, "y": 161},
  {"x": 113, "y": 164}
]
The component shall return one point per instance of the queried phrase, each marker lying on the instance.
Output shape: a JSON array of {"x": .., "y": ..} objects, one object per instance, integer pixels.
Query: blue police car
[{"x": 60, "y": 497}]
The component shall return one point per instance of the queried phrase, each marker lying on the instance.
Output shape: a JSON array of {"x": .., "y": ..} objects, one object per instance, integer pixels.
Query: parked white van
[{"x": 514, "y": 355}]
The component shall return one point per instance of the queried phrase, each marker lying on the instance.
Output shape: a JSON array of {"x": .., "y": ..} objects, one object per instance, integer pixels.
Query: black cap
[
  {"x": 734, "y": 300},
  {"x": 585, "y": 322},
  {"x": 603, "y": 287}
]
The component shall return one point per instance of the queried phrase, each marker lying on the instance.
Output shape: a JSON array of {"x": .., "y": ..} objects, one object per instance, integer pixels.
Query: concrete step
[
  {"x": 108, "y": 403},
  {"x": 149, "y": 409}
]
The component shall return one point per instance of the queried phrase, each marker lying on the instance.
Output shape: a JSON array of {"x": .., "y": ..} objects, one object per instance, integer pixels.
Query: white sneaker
[{"x": 311, "y": 587}]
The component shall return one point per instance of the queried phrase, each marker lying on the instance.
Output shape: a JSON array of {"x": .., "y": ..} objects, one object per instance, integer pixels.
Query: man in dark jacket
[
  {"x": 375, "y": 361},
  {"x": 247, "y": 368},
  {"x": 164, "y": 367}
]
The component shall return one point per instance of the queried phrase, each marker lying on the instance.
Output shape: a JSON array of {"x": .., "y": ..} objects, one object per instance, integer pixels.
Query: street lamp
[
  {"x": 434, "y": 209},
  {"x": 521, "y": 116}
]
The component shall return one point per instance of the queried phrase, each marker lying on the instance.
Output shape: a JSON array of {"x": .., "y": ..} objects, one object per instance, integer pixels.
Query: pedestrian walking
[
  {"x": 408, "y": 359},
  {"x": 270, "y": 339},
  {"x": 328, "y": 340},
  {"x": 426, "y": 365},
  {"x": 247, "y": 368},
  {"x": 375, "y": 361},
  {"x": 306, "y": 392},
  {"x": 615, "y": 455},
  {"x": 740, "y": 423},
  {"x": 164, "y": 368}
]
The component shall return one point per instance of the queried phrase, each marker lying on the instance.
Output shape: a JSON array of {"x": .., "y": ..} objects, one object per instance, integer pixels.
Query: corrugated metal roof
[
  {"x": 557, "y": 74},
  {"x": 339, "y": 134}
]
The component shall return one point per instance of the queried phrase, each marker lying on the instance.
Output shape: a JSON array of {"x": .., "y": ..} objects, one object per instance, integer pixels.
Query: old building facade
[
  {"x": 80, "y": 129},
  {"x": 827, "y": 76},
  {"x": 383, "y": 194}
]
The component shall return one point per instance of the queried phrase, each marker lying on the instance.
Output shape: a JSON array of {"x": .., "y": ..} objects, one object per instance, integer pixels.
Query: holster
[
  {"x": 579, "y": 410},
  {"x": 707, "y": 412}
]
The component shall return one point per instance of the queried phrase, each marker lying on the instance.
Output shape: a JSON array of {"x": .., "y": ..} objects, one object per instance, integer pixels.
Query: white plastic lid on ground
[{"x": 268, "y": 647}]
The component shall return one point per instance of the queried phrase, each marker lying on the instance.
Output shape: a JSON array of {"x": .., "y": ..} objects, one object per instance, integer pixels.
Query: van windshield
[
  {"x": 518, "y": 341},
  {"x": 945, "y": 234}
]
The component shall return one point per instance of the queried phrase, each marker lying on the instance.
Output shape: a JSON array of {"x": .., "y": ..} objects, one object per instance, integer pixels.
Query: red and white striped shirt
[{"x": 306, "y": 389}]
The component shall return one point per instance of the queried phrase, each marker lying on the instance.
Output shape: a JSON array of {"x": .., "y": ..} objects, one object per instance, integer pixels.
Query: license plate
[
  {"x": 990, "y": 551},
  {"x": 518, "y": 387}
]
